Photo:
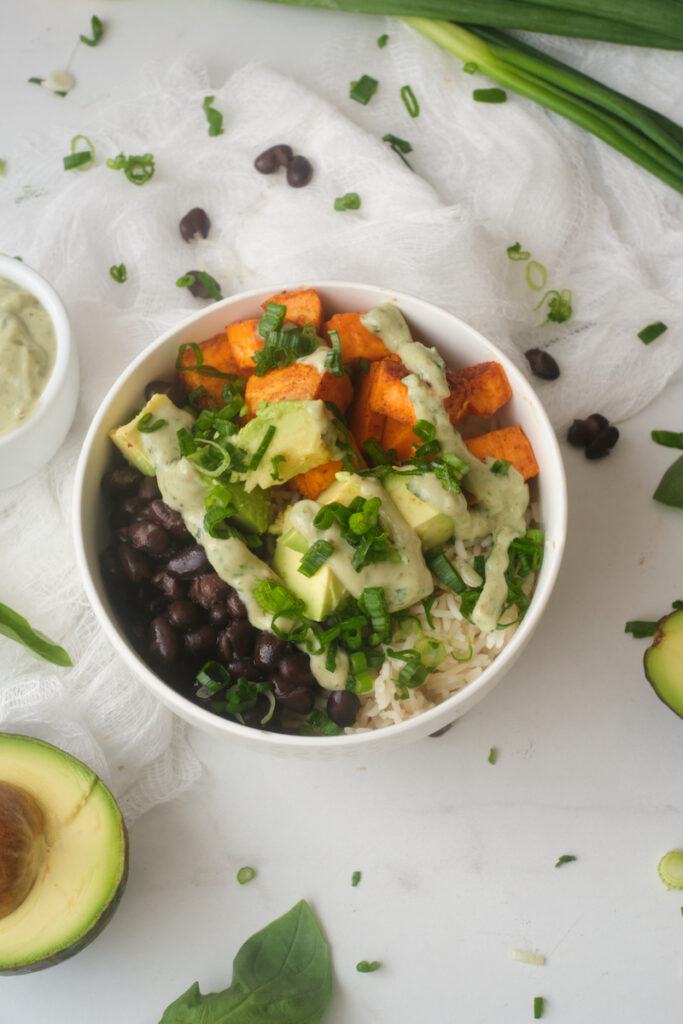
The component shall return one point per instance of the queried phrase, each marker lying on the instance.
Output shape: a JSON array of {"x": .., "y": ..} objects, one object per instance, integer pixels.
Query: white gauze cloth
[{"x": 484, "y": 177}]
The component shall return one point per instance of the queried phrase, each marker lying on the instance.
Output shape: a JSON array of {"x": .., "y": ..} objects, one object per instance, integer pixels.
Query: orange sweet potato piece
[
  {"x": 388, "y": 394},
  {"x": 509, "y": 443},
  {"x": 365, "y": 423},
  {"x": 357, "y": 342},
  {"x": 244, "y": 342},
  {"x": 298, "y": 381},
  {"x": 399, "y": 436},
  {"x": 303, "y": 307},
  {"x": 318, "y": 479},
  {"x": 478, "y": 390},
  {"x": 217, "y": 353}
]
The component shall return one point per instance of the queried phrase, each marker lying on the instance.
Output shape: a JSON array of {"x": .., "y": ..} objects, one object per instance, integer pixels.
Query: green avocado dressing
[{"x": 28, "y": 347}]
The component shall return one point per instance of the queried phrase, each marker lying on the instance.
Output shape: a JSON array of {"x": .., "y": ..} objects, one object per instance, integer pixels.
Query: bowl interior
[{"x": 460, "y": 345}]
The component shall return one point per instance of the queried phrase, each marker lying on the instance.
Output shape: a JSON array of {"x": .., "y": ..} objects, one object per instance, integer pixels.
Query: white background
[{"x": 457, "y": 856}]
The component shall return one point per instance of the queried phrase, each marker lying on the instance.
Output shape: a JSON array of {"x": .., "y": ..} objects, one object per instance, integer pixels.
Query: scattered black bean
[
  {"x": 343, "y": 707},
  {"x": 293, "y": 696},
  {"x": 218, "y": 614},
  {"x": 241, "y": 636},
  {"x": 148, "y": 489},
  {"x": 171, "y": 586},
  {"x": 253, "y": 717},
  {"x": 236, "y": 605},
  {"x": 121, "y": 481},
  {"x": 163, "y": 642},
  {"x": 244, "y": 667},
  {"x": 296, "y": 669},
  {"x": 159, "y": 512},
  {"x": 183, "y": 613},
  {"x": 136, "y": 566},
  {"x": 188, "y": 562},
  {"x": 583, "y": 431},
  {"x": 299, "y": 172},
  {"x": 200, "y": 642},
  {"x": 542, "y": 364},
  {"x": 171, "y": 388},
  {"x": 208, "y": 590},
  {"x": 195, "y": 224},
  {"x": 224, "y": 646},
  {"x": 272, "y": 159},
  {"x": 133, "y": 507},
  {"x": 148, "y": 537},
  {"x": 602, "y": 443},
  {"x": 268, "y": 650},
  {"x": 198, "y": 287}
]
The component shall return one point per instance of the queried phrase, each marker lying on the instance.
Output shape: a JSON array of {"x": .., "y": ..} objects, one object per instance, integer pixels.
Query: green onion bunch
[{"x": 282, "y": 344}]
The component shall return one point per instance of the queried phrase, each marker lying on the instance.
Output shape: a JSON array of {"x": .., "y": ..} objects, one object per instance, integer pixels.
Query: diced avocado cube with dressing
[
  {"x": 322, "y": 592},
  {"x": 432, "y": 527},
  {"x": 344, "y": 489},
  {"x": 128, "y": 439},
  {"x": 252, "y": 510},
  {"x": 303, "y": 438}
]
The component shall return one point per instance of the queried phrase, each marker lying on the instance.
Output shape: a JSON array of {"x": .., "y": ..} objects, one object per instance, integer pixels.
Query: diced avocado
[
  {"x": 664, "y": 661},
  {"x": 303, "y": 439},
  {"x": 432, "y": 527},
  {"x": 344, "y": 489},
  {"x": 252, "y": 510},
  {"x": 322, "y": 592},
  {"x": 128, "y": 438}
]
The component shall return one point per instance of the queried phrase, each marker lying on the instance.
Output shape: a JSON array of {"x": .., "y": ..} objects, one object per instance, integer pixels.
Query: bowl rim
[
  {"x": 15, "y": 270},
  {"x": 204, "y": 719}
]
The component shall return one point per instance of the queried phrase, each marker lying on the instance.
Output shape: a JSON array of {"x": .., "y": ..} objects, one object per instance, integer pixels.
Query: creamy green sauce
[
  {"x": 28, "y": 347},
  {"x": 388, "y": 323}
]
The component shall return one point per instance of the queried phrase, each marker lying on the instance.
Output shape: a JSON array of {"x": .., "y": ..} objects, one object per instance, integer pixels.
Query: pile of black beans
[{"x": 179, "y": 614}]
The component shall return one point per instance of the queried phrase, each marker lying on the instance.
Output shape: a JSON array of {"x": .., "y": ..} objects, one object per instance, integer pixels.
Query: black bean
[
  {"x": 268, "y": 650},
  {"x": 343, "y": 707},
  {"x": 583, "y": 431},
  {"x": 133, "y": 508},
  {"x": 292, "y": 696},
  {"x": 183, "y": 613},
  {"x": 602, "y": 443},
  {"x": 272, "y": 159},
  {"x": 199, "y": 288},
  {"x": 121, "y": 481},
  {"x": 188, "y": 562},
  {"x": 173, "y": 389},
  {"x": 111, "y": 566},
  {"x": 136, "y": 566},
  {"x": 171, "y": 586},
  {"x": 195, "y": 224},
  {"x": 224, "y": 647},
  {"x": 200, "y": 642},
  {"x": 148, "y": 489},
  {"x": 299, "y": 172},
  {"x": 163, "y": 642},
  {"x": 149, "y": 537},
  {"x": 241, "y": 637},
  {"x": 238, "y": 667},
  {"x": 236, "y": 605},
  {"x": 253, "y": 717},
  {"x": 218, "y": 615},
  {"x": 208, "y": 589},
  {"x": 296, "y": 669},
  {"x": 542, "y": 364},
  {"x": 159, "y": 512}
]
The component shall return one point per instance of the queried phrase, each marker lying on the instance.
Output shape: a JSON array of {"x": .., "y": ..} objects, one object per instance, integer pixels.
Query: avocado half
[
  {"x": 664, "y": 661},
  {"x": 63, "y": 855}
]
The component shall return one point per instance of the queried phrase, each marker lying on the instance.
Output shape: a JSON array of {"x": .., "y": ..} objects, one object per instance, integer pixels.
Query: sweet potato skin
[
  {"x": 479, "y": 390},
  {"x": 399, "y": 436},
  {"x": 388, "y": 394},
  {"x": 357, "y": 342},
  {"x": 303, "y": 307},
  {"x": 363, "y": 421},
  {"x": 297, "y": 381},
  {"x": 217, "y": 353},
  {"x": 509, "y": 443},
  {"x": 244, "y": 341},
  {"x": 318, "y": 479}
]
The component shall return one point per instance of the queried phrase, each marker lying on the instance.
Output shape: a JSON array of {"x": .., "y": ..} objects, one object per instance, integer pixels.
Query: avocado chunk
[
  {"x": 128, "y": 439},
  {"x": 252, "y": 510},
  {"x": 303, "y": 437},
  {"x": 432, "y": 526},
  {"x": 322, "y": 592},
  {"x": 664, "y": 661},
  {"x": 63, "y": 855}
]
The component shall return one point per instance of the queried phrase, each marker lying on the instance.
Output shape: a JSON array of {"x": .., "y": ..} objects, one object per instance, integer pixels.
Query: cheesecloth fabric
[{"x": 483, "y": 177}]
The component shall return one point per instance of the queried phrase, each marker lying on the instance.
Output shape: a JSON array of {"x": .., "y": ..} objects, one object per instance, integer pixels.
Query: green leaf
[
  {"x": 282, "y": 973},
  {"x": 17, "y": 628},
  {"x": 670, "y": 489}
]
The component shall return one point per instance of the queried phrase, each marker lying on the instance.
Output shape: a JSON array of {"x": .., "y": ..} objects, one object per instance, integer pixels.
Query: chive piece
[
  {"x": 213, "y": 116},
  {"x": 261, "y": 450},
  {"x": 536, "y": 270},
  {"x": 638, "y": 629},
  {"x": 275, "y": 463},
  {"x": 333, "y": 359},
  {"x": 120, "y": 274},
  {"x": 81, "y": 159},
  {"x": 410, "y": 101},
  {"x": 383, "y": 40},
  {"x": 97, "y": 30},
  {"x": 246, "y": 874},
  {"x": 364, "y": 89},
  {"x": 566, "y": 858},
  {"x": 668, "y": 438},
  {"x": 670, "y": 487},
  {"x": 363, "y": 365},
  {"x": 138, "y": 169},
  {"x": 146, "y": 426},
  {"x": 36, "y": 81},
  {"x": 470, "y": 68},
  {"x": 489, "y": 95},
  {"x": 205, "y": 678},
  {"x": 445, "y": 571},
  {"x": 538, "y": 1007},
  {"x": 399, "y": 146},
  {"x": 670, "y": 869},
  {"x": 3, "y": 168},
  {"x": 349, "y": 201},
  {"x": 373, "y": 602},
  {"x": 427, "y": 605},
  {"x": 651, "y": 332},
  {"x": 493, "y": 755},
  {"x": 500, "y": 467},
  {"x": 365, "y": 967},
  {"x": 355, "y": 878},
  {"x": 515, "y": 252},
  {"x": 315, "y": 557}
]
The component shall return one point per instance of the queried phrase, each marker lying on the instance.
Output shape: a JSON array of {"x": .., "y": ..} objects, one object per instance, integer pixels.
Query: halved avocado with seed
[
  {"x": 63, "y": 855},
  {"x": 664, "y": 661}
]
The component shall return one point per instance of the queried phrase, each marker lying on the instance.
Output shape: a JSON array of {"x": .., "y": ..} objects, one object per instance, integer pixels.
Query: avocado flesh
[
  {"x": 128, "y": 439},
  {"x": 432, "y": 527},
  {"x": 82, "y": 876},
  {"x": 252, "y": 509},
  {"x": 303, "y": 437},
  {"x": 321, "y": 593},
  {"x": 664, "y": 661}
]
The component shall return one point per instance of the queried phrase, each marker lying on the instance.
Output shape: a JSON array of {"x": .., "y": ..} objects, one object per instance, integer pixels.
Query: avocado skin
[{"x": 670, "y": 625}]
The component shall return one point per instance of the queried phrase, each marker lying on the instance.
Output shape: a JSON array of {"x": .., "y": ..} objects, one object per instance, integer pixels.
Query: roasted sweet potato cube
[
  {"x": 357, "y": 342},
  {"x": 298, "y": 381},
  {"x": 401, "y": 437},
  {"x": 217, "y": 354},
  {"x": 244, "y": 341},
  {"x": 365, "y": 423},
  {"x": 478, "y": 390},
  {"x": 303, "y": 307},
  {"x": 317, "y": 480},
  {"x": 388, "y": 394},
  {"x": 510, "y": 444}
]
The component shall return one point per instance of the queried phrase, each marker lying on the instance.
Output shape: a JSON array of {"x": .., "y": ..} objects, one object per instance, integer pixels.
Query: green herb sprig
[
  {"x": 82, "y": 159},
  {"x": 364, "y": 89},
  {"x": 17, "y": 628},
  {"x": 399, "y": 146},
  {"x": 213, "y": 116},
  {"x": 137, "y": 169},
  {"x": 119, "y": 273},
  {"x": 410, "y": 101},
  {"x": 97, "y": 29}
]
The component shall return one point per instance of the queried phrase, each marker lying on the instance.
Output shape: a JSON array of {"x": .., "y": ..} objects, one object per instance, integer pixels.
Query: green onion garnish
[
  {"x": 333, "y": 359},
  {"x": 3, "y": 168},
  {"x": 538, "y": 1007},
  {"x": 445, "y": 571},
  {"x": 493, "y": 756},
  {"x": 500, "y": 467},
  {"x": 97, "y": 30},
  {"x": 363, "y": 365},
  {"x": 515, "y": 252},
  {"x": 355, "y": 878},
  {"x": 536, "y": 275},
  {"x": 638, "y": 629},
  {"x": 315, "y": 557},
  {"x": 138, "y": 169},
  {"x": 670, "y": 869},
  {"x": 186, "y": 442},
  {"x": 566, "y": 858},
  {"x": 275, "y": 463},
  {"x": 489, "y": 95},
  {"x": 364, "y": 89},
  {"x": 213, "y": 676},
  {"x": 399, "y": 146},
  {"x": 246, "y": 874},
  {"x": 318, "y": 723},
  {"x": 281, "y": 346},
  {"x": 409, "y": 101},
  {"x": 668, "y": 438},
  {"x": 427, "y": 605},
  {"x": 425, "y": 430},
  {"x": 119, "y": 273},
  {"x": 213, "y": 116},
  {"x": 382, "y": 40},
  {"x": 261, "y": 450},
  {"x": 559, "y": 306},
  {"x": 373, "y": 602},
  {"x": 470, "y": 68},
  {"x": 147, "y": 424},
  {"x": 365, "y": 967},
  {"x": 349, "y": 201},
  {"x": 199, "y": 365},
  {"x": 81, "y": 159},
  {"x": 651, "y": 332}
]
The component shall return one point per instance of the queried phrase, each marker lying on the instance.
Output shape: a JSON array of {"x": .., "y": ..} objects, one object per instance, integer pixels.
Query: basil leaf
[
  {"x": 670, "y": 488},
  {"x": 17, "y": 628},
  {"x": 282, "y": 973}
]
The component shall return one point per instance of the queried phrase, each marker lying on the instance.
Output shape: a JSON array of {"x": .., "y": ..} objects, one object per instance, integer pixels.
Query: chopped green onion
[
  {"x": 261, "y": 450},
  {"x": 363, "y": 365},
  {"x": 559, "y": 306},
  {"x": 119, "y": 273},
  {"x": 524, "y": 956},
  {"x": 373, "y": 449},
  {"x": 3, "y": 168},
  {"x": 333, "y": 359},
  {"x": 81, "y": 159},
  {"x": 213, "y": 116},
  {"x": 500, "y": 467},
  {"x": 186, "y": 442},
  {"x": 670, "y": 869},
  {"x": 365, "y": 967},
  {"x": 97, "y": 30},
  {"x": 536, "y": 275},
  {"x": 566, "y": 858},
  {"x": 470, "y": 68},
  {"x": 349, "y": 201},
  {"x": 668, "y": 438},
  {"x": 489, "y": 95},
  {"x": 272, "y": 319},
  {"x": 409, "y": 101},
  {"x": 493, "y": 755},
  {"x": 382, "y": 40},
  {"x": 146, "y": 426},
  {"x": 317, "y": 722},
  {"x": 246, "y": 874},
  {"x": 515, "y": 252},
  {"x": 275, "y": 463},
  {"x": 432, "y": 652},
  {"x": 651, "y": 332},
  {"x": 355, "y": 878},
  {"x": 638, "y": 629},
  {"x": 538, "y": 1007},
  {"x": 209, "y": 681},
  {"x": 445, "y": 571},
  {"x": 427, "y": 605},
  {"x": 373, "y": 602},
  {"x": 425, "y": 430},
  {"x": 138, "y": 169},
  {"x": 399, "y": 146},
  {"x": 315, "y": 557},
  {"x": 670, "y": 487},
  {"x": 364, "y": 89},
  {"x": 273, "y": 597}
]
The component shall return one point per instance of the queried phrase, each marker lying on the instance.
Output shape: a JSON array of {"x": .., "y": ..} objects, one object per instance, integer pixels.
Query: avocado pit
[{"x": 22, "y": 845}]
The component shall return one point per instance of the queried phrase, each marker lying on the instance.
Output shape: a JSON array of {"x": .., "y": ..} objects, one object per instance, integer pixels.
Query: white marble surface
[{"x": 457, "y": 855}]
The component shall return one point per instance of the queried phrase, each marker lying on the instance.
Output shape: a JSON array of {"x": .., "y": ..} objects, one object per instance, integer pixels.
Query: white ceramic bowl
[
  {"x": 26, "y": 450},
  {"x": 461, "y": 346}
]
